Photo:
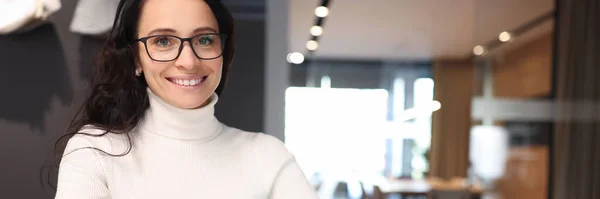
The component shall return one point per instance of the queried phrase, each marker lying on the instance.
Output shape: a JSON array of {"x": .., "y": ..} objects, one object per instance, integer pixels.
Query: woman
[{"x": 148, "y": 129}]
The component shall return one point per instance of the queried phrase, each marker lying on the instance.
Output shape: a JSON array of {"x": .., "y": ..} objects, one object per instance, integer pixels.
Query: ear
[
  {"x": 138, "y": 65},
  {"x": 137, "y": 62},
  {"x": 138, "y": 68}
]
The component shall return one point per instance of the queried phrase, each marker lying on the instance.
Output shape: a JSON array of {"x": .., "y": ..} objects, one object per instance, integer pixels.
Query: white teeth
[{"x": 187, "y": 82}]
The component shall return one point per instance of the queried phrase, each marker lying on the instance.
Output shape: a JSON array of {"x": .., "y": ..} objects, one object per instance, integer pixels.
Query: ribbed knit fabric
[{"x": 179, "y": 153}]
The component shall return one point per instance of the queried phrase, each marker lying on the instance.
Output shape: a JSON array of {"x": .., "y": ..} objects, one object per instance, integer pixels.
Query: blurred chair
[
  {"x": 378, "y": 194},
  {"x": 341, "y": 190},
  {"x": 365, "y": 195},
  {"x": 367, "y": 191},
  {"x": 449, "y": 194}
]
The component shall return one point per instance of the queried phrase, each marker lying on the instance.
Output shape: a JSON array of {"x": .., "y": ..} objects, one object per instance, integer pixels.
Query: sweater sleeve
[
  {"x": 289, "y": 181},
  {"x": 82, "y": 170}
]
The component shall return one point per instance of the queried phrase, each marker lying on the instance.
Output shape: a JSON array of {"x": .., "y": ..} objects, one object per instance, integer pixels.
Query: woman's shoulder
[
  {"x": 96, "y": 138},
  {"x": 259, "y": 144},
  {"x": 254, "y": 138}
]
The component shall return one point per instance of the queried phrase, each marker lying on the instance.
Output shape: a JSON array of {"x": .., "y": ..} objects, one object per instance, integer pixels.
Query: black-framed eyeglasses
[{"x": 165, "y": 48}]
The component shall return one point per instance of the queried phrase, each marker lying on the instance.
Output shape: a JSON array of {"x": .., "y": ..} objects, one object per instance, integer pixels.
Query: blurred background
[{"x": 376, "y": 99}]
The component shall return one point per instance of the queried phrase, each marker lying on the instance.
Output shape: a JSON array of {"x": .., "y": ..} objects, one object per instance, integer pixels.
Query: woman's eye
[
  {"x": 206, "y": 40},
  {"x": 162, "y": 41}
]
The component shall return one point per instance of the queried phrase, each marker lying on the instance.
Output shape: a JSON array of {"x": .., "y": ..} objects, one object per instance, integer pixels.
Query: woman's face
[{"x": 186, "y": 82}]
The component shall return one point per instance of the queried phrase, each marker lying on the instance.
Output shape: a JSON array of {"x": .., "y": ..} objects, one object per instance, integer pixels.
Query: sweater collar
[{"x": 172, "y": 122}]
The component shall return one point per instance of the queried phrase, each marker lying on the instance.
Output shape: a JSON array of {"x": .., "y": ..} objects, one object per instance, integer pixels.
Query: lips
[{"x": 187, "y": 81}]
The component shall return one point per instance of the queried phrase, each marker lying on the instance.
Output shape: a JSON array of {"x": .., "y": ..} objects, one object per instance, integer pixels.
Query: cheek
[
  {"x": 149, "y": 66},
  {"x": 144, "y": 62},
  {"x": 142, "y": 59},
  {"x": 216, "y": 66}
]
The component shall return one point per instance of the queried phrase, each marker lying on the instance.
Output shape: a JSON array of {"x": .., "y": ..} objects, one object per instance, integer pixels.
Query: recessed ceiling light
[
  {"x": 295, "y": 58},
  {"x": 316, "y": 31},
  {"x": 504, "y": 36},
  {"x": 478, "y": 50},
  {"x": 312, "y": 45},
  {"x": 322, "y": 11}
]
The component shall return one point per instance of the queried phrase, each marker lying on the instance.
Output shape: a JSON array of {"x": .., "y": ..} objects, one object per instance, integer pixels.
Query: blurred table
[
  {"x": 412, "y": 187},
  {"x": 404, "y": 187}
]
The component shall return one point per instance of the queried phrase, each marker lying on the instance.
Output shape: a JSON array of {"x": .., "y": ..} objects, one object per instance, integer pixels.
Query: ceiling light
[
  {"x": 316, "y": 31},
  {"x": 295, "y": 58},
  {"x": 436, "y": 105},
  {"x": 478, "y": 50},
  {"x": 504, "y": 36},
  {"x": 312, "y": 45},
  {"x": 322, "y": 11}
]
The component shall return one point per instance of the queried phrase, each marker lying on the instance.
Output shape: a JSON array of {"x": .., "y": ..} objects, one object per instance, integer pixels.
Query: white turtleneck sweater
[{"x": 178, "y": 153}]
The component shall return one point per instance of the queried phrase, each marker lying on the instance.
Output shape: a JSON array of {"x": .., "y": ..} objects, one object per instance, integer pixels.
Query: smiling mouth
[{"x": 188, "y": 82}]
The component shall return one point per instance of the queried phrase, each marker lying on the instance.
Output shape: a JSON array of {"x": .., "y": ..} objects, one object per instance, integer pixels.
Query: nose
[{"x": 187, "y": 59}]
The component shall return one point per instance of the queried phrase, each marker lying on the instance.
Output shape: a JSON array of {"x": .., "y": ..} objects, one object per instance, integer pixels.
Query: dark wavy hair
[{"x": 118, "y": 99}]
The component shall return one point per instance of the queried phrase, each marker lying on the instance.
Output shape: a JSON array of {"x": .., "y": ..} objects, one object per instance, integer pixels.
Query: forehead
[{"x": 183, "y": 16}]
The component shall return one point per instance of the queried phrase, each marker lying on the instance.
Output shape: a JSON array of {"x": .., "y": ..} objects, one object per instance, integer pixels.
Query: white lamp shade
[{"x": 488, "y": 151}]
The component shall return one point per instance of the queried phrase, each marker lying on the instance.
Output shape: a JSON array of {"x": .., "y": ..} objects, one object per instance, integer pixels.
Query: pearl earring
[{"x": 137, "y": 73}]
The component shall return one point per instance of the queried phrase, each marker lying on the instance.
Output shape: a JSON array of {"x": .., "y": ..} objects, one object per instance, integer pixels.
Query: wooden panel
[
  {"x": 525, "y": 71},
  {"x": 452, "y": 123},
  {"x": 526, "y": 174}
]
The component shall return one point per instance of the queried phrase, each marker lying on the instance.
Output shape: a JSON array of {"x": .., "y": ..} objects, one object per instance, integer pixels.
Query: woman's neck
[{"x": 173, "y": 122}]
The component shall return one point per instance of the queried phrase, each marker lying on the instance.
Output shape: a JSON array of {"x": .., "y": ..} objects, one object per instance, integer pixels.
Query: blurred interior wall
[
  {"x": 40, "y": 86},
  {"x": 242, "y": 103},
  {"x": 449, "y": 156},
  {"x": 525, "y": 72},
  {"x": 576, "y": 141},
  {"x": 276, "y": 69}
]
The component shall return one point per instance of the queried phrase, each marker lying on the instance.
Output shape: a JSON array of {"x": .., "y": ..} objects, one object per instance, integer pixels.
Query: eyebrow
[
  {"x": 205, "y": 29},
  {"x": 168, "y": 30}
]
